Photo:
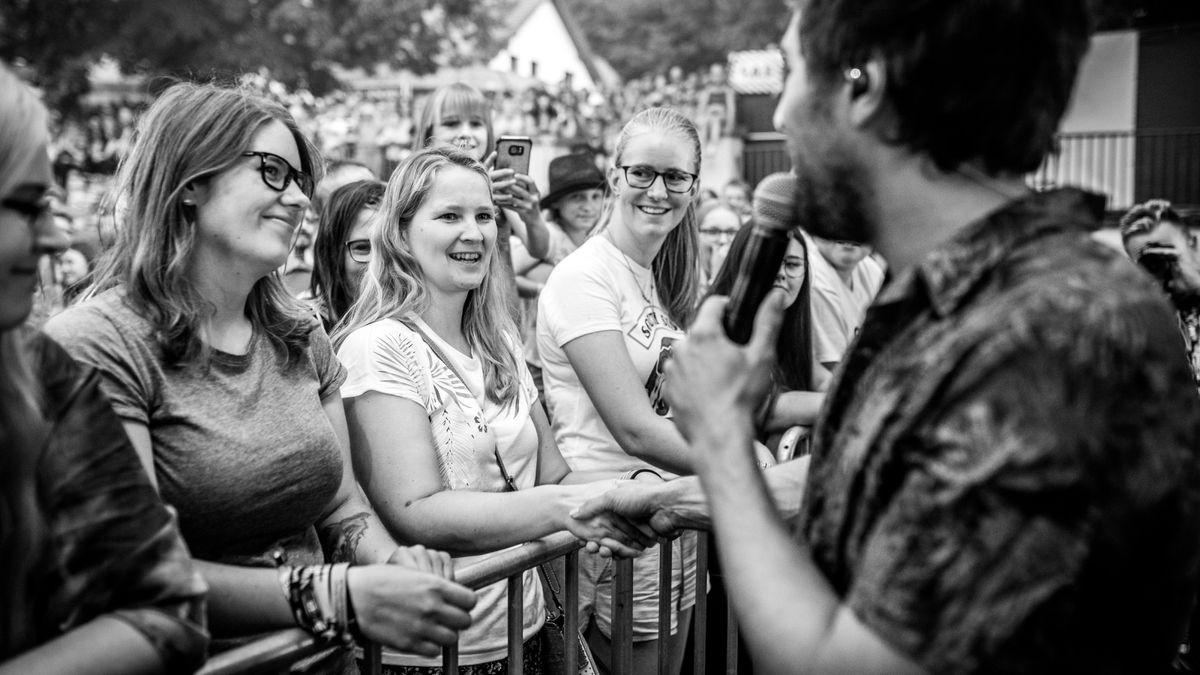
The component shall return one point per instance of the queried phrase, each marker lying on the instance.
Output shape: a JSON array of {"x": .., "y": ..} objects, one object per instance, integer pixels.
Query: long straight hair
[
  {"x": 793, "y": 349},
  {"x": 329, "y": 284},
  {"x": 394, "y": 285},
  {"x": 23, "y": 430},
  {"x": 191, "y": 133},
  {"x": 676, "y": 267}
]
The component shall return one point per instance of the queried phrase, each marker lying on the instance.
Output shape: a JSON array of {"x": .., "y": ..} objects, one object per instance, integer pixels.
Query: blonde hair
[
  {"x": 23, "y": 134},
  {"x": 191, "y": 133},
  {"x": 459, "y": 98},
  {"x": 394, "y": 285},
  {"x": 676, "y": 267}
]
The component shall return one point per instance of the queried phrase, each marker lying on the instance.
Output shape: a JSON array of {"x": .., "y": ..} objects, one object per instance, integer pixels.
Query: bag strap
[{"x": 437, "y": 351}]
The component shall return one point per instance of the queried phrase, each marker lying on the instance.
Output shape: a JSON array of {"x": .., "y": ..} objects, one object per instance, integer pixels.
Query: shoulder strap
[{"x": 437, "y": 351}]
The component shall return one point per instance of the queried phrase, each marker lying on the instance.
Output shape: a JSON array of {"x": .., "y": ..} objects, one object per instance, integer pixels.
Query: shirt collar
[{"x": 951, "y": 270}]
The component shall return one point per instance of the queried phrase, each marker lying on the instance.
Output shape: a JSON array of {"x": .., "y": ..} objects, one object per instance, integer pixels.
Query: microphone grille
[{"x": 775, "y": 201}]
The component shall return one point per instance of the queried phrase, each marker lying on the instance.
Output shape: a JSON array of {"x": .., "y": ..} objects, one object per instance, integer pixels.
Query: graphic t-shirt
[
  {"x": 390, "y": 358},
  {"x": 597, "y": 288}
]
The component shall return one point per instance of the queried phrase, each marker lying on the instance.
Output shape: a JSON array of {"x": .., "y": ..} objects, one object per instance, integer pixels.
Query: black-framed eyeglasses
[
  {"x": 360, "y": 250},
  {"x": 641, "y": 177},
  {"x": 277, "y": 173},
  {"x": 33, "y": 212}
]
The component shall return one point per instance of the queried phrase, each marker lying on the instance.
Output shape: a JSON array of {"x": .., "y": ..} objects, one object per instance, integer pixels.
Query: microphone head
[{"x": 774, "y": 204}]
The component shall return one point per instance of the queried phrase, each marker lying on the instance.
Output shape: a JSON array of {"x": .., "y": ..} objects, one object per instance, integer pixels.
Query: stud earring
[{"x": 857, "y": 77}]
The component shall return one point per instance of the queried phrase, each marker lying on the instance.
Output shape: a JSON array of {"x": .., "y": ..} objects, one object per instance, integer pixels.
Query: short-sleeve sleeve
[
  {"x": 120, "y": 348},
  {"x": 829, "y": 335},
  {"x": 579, "y": 299},
  {"x": 985, "y": 544},
  {"x": 330, "y": 372},
  {"x": 386, "y": 357}
]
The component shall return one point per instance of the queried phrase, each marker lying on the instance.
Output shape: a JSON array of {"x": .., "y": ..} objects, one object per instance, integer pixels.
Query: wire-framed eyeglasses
[
  {"x": 277, "y": 173},
  {"x": 360, "y": 250},
  {"x": 641, "y": 177}
]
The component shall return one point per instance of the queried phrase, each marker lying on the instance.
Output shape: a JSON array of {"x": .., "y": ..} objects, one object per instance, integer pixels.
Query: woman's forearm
[
  {"x": 465, "y": 522},
  {"x": 244, "y": 600},
  {"x": 795, "y": 408}
]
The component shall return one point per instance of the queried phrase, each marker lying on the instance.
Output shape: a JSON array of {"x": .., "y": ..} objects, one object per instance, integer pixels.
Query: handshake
[{"x": 622, "y": 518}]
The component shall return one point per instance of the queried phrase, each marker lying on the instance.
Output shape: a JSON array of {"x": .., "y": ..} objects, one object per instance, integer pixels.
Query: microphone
[{"x": 774, "y": 213}]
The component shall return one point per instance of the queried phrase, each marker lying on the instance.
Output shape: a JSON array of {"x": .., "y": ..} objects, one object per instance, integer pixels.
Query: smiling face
[
  {"x": 649, "y": 214},
  {"x": 467, "y": 131},
  {"x": 27, "y": 232},
  {"x": 242, "y": 224},
  {"x": 453, "y": 233}
]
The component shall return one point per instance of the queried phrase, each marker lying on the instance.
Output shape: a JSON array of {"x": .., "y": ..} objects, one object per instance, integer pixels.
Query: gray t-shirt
[{"x": 242, "y": 449}]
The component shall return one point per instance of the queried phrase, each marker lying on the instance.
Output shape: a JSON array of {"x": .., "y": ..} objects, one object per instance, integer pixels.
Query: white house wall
[{"x": 543, "y": 39}]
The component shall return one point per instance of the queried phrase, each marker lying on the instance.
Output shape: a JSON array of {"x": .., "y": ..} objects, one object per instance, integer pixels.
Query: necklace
[{"x": 629, "y": 266}]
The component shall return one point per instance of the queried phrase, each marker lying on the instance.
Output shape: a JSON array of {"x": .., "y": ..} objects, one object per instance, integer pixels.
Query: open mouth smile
[
  {"x": 653, "y": 210},
  {"x": 466, "y": 257}
]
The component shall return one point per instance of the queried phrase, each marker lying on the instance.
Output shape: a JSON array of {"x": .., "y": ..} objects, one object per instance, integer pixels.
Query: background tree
[
  {"x": 298, "y": 41},
  {"x": 641, "y": 37}
]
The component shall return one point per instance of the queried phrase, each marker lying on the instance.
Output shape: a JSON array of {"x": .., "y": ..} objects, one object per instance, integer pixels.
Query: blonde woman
[
  {"x": 607, "y": 319},
  {"x": 454, "y": 451}
]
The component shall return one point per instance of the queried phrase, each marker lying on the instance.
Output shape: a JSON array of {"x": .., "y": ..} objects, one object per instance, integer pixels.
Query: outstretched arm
[{"x": 796, "y": 621}]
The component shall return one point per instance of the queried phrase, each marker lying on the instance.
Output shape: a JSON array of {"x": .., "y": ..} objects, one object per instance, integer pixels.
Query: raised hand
[{"x": 409, "y": 610}]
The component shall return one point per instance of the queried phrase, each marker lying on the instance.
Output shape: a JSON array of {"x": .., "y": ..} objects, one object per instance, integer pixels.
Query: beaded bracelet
[{"x": 318, "y": 596}]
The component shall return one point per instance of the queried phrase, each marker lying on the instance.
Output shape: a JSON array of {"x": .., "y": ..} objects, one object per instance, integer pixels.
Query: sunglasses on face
[{"x": 277, "y": 173}]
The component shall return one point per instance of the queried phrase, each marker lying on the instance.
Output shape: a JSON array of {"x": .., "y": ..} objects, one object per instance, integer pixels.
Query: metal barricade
[{"x": 278, "y": 650}]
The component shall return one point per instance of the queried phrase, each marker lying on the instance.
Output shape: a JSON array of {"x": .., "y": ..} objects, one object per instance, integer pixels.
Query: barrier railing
[{"x": 276, "y": 651}]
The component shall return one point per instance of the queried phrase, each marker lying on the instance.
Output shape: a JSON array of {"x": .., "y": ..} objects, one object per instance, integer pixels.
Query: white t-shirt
[
  {"x": 391, "y": 358},
  {"x": 837, "y": 309},
  {"x": 538, "y": 270},
  {"x": 597, "y": 288}
]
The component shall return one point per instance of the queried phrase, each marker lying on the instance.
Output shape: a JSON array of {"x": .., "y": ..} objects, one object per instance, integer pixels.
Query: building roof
[{"x": 598, "y": 70}]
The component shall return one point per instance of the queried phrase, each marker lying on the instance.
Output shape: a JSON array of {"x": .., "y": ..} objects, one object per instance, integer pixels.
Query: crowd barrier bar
[{"x": 282, "y": 648}]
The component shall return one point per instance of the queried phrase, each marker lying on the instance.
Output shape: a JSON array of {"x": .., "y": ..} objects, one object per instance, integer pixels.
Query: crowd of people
[{"x": 963, "y": 436}]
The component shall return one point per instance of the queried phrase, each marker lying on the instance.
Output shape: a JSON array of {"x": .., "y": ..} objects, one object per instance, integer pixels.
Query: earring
[
  {"x": 857, "y": 77},
  {"x": 189, "y": 202}
]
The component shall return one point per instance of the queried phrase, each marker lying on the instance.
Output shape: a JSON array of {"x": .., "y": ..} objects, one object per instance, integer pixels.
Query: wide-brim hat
[{"x": 570, "y": 173}]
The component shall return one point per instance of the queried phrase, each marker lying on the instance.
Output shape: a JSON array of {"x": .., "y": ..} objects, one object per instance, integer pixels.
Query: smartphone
[{"x": 512, "y": 152}]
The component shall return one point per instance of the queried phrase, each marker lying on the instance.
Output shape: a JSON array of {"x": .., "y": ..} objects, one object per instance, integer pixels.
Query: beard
[{"x": 831, "y": 182}]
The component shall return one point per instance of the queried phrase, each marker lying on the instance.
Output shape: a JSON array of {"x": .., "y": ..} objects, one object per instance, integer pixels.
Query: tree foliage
[
  {"x": 299, "y": 41},
  {"x": 640, "y": 37}
]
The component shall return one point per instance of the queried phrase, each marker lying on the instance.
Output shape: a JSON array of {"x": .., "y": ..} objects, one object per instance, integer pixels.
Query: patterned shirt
[
  {"x": 112, "y": 547},
  {"x": 1006, "y": 478}
]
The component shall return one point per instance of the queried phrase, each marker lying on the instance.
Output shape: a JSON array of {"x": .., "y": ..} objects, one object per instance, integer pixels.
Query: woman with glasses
[
  {"x": 228, "y": 387},
  {"x": 343, "y": 248},
  {"x": 794, "y": 400},
  {"x": 93, "y": 575},
  {"x": 607, "y": 319}
]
